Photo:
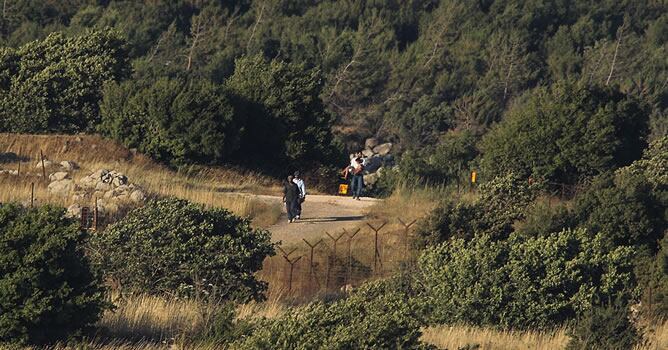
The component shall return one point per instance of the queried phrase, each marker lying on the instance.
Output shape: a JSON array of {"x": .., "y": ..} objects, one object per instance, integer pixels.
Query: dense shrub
[
  {"x": 371, "y": 318},
  {"x": 286, "y": 121},
  {"x": 172, "y": 120},
  {"x": 629, "y": 207},
  {"x": 443, "y": 163},
  {"x": 176, "y": 247},
  {"x": 48, "y": 290},
  {"x": 55, "y": 85},
  {"x": 523, "y": 282},
  {"x": 604, "y": 327},
  {"x": 567, "y": 132},
  {"x": 500, "y": 203}
]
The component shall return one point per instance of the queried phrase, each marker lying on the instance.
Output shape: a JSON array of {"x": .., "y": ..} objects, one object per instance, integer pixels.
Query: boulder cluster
[
  {"x": 378, "y": 157},
  {"x": 112, "y": 190}
]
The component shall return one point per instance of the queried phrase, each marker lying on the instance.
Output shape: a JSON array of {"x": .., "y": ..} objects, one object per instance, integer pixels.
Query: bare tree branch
[
  {"x": 259, "y": 19},
  {"x": 614, "y": 58}
]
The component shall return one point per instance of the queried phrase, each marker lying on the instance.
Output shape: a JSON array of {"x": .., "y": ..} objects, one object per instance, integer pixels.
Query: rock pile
[
  {"x": 378, "y": 157},
  {"x": 111, "y": 188}
]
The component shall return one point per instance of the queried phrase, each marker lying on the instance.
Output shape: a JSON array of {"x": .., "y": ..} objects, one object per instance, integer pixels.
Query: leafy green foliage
[
  {"x": 48, "y": 289},
  {"x": 172, "y": 120},
  {"x": 502, "y": 201},
  {"x": 371, "y": 318},
  {"x": 55, "y": 85},
  {"x": 443, "y": 163},
  {"x": 282, "y": 109},
  {"x": 566, "y": 133},
  {"x": 630, "y": 207},
  {"x": 172, "y": 246},
  {"x": 604, "y": 327},
  {"x": 523, "y": 282}
]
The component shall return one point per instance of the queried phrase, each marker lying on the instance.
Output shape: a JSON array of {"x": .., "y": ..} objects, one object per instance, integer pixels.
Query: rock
[
  {"x": 119, "y": 180},
  {"x": 137, "y": 196},
  {"x": 61, "y": 175},
  {"x": 383, "y": 149},
  {"x": 370, "y": 179},
  {"x": 61, "y": 187},
  {"x": 373, "y": 164},
  {"x": 370, "y": 143},
  {"x": 102, "y": 186},
  {"x": 116, "y": 193},
  {"x": 47, "y": 164},
  {"x": 348, "y": 288},
  {"x": 78, "y": 197},
  {"x": 73, "y": 211},
  {"x": 69, "y": 165},
  {"x": 77, "y": 139},
  {"x": 367, "y": 153}
]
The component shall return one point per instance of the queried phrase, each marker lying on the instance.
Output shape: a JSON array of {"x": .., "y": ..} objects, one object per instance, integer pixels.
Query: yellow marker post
[{"x": 474, "y": 177}]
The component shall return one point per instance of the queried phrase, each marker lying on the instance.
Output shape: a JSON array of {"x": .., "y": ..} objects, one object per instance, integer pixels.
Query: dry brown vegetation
[
  {"x": 211, "y": 186},
  {"x": 455, "y": 337}
]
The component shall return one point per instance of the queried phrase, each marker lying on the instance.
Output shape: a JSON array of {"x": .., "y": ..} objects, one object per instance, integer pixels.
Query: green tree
[
  {"x": 176, "y": 121},
  {"x": 567, "y": 132},
  {"x": 48, "y": 289},
  {"x": 285, "y": 117},
  {"x": 523, "y": 282},
  {"x": 55, "y": 85},
  {"x": 172, "y": 246}
]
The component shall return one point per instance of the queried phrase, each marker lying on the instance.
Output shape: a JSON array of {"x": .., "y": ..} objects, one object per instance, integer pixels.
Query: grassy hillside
[{"x": 211, "y": 186}]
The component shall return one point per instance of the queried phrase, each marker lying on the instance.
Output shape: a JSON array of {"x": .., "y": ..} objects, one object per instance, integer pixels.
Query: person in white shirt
[{"x": 302, "y": 193}]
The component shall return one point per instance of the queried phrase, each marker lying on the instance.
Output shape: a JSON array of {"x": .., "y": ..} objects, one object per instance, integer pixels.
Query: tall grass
[
  {"x": 210, "y": 186},
  {"x": 456, "y": 337}
]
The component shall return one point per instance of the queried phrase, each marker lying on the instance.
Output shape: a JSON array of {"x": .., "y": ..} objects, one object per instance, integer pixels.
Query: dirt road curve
[{"x": 320, "y": 214}]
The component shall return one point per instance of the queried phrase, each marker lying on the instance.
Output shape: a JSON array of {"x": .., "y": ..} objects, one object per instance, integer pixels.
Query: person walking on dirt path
[
  {"x": 291, "y": 198},
  {"x": 302, "y": 193},
  {"x": 358, "y": 178}
]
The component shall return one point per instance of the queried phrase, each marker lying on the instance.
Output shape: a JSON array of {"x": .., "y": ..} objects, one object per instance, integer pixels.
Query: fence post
[
  {"x": 32, "y": 194},
  {"x": 350, "y": 253},
  {"x": 41, "y": 156},
  {"x": 286, "y": 256},
  {"x": 312, "y": 247},
  {"x": 332, "y": 257},
  {"x": 95, "y": 215},
  {"x": 376, "y": 256},
  {"x": 406, "y": 234}
]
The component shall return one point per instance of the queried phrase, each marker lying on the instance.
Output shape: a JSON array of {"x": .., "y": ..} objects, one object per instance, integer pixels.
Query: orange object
[
  {"x": 474, "y": 177},
  {"x": 343, "y": 189}
]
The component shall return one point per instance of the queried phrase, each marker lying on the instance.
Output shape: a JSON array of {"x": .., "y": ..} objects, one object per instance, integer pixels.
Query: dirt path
[{"x": 320, "y": 214}]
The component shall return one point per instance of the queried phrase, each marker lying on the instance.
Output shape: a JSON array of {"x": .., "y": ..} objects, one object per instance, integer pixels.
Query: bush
[
  {"x": 48, "y": 290},
  {"x": 629, "y": 206},
  {"x": 371, "y": 318},
  {"x": 172, "y": 120},
  {"x": 522, "y": 282},
  {"x": 501, "y": 202},
  {"x": 443, "y": 163},
  {"x": 55, "y": 85},
  {"x": 286, "y": 120},
  {"x": 173, "y": 246},
  {"x": 567, "y": 132},
  {"x": 604, "y": 327}
]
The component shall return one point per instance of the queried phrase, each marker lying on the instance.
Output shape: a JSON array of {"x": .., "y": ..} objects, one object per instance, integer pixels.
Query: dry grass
[
  {"x": 455, "y": 337},
  {"x": 408, "y": 202},
  {"x": 211, "y": 186}
]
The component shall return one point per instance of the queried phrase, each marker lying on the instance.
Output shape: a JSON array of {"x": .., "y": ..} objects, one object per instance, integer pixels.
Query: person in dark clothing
[{"x": 291, "y": 198}]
